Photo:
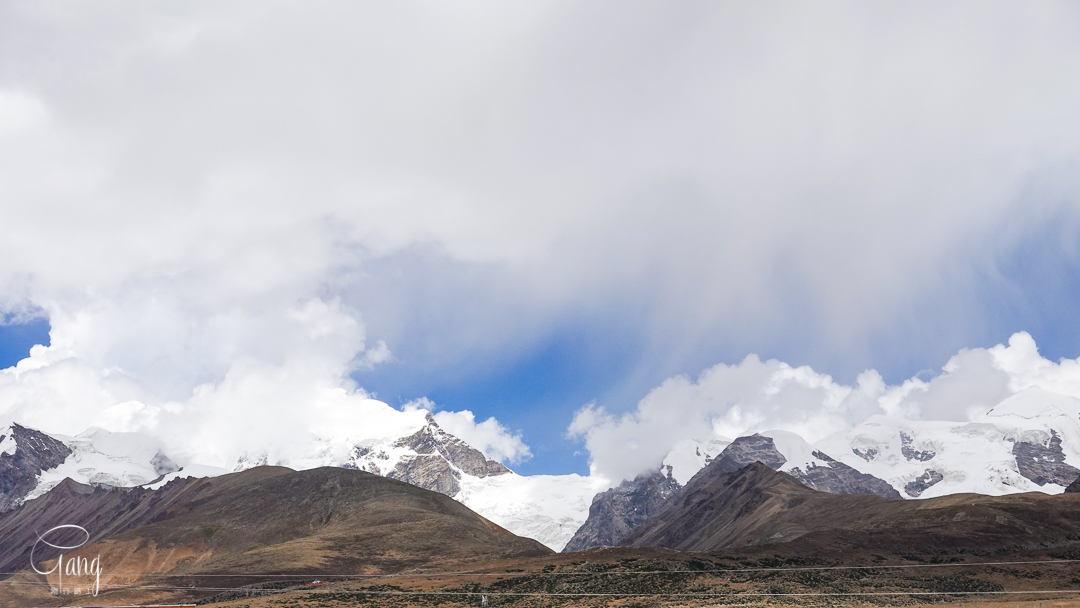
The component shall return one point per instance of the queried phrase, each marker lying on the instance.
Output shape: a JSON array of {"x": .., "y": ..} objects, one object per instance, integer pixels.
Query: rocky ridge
[{"x": 24, "y": 454}]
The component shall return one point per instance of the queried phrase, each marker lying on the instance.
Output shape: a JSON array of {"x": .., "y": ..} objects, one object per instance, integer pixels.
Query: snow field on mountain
[
  {"x": 547, "y": 508},
  {"x": 974, "y": 456},
  {"x": 102, "y": 457},
  {"x": 7, "y": 445}
]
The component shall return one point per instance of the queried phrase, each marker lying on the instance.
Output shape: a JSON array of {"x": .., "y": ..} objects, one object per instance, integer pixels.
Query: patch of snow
[
  {"x": 7, "y": 444},
  {"x": 547, "y": 508},
  {"x": 191, "y": 470},
  {"x": 799, "y": 453},
  {"x": 690, "y": 455}
]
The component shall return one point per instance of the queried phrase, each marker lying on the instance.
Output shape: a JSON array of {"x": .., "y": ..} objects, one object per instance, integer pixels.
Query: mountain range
[
  {"x": 1029, "y": 442},
  {"x": 756, "y": 505},
  {"x": 266, "y": 533}
]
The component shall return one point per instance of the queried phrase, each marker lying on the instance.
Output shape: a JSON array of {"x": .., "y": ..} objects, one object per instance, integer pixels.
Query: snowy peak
[
  {"x": 1036, "y": 403},
  {"x": 1028, "y": 442},
  {"x": 429, "y": 457},
  {"x": 434, "y": 451},
  {"x": 33, "y": 462},
  {"x": 615, "y": 514},
  {"x": 548, "y": 508},
  {"x": 691, "y": 455}
]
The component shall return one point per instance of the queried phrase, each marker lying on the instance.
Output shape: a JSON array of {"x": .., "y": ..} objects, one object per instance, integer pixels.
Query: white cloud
[
  {"x": 195, "y": 194},
  {"x": 754, "y": 395},
  {"x": 665, "y": 154},
  {"x": 20, "y": 112}
]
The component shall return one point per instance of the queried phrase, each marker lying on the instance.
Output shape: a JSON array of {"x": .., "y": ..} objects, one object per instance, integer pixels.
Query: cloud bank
[
  {"x": 753, "y": 395},
  {"x": 235, "y": 212},
  {"x": 238, "y": 383}
]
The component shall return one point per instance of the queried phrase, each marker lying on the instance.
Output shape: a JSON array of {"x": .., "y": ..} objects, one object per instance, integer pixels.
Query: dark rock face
[
  {"x": 428, "y": 472},
  {"x": 616, "y": 512},
  {"x": 868, "y": 454},
  {"x": 911, "y": 453},
  {"x": 707, "y": 512},
  {"x": 1044, "y": 464},
  {"x": 34, "y": 452},
  {"x": 1074, "y": 487},
  {"x": 163, "y": 465},
  {"x": 754, "y": 448},
  {"x": 839, "y": 478},
  {"x": 921, "y": 483}
]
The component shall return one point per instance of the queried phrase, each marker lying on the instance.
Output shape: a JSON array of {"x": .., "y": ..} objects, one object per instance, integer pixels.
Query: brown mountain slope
[
  {"x": 103, "y": 513},
  {"x": 329, "y": 519},
  {"x": 758, "y": 506},
  {"x": 265, "y": 520}
]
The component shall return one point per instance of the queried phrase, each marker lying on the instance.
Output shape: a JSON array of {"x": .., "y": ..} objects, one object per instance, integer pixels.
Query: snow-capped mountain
[
  {"x": 411, "y": 448},
  {"x": 1028, "y": 442},
  {"x": 33, "y": 462},
  {"x": 617, "y": 512},
  {"x": 548, "y": 508}
]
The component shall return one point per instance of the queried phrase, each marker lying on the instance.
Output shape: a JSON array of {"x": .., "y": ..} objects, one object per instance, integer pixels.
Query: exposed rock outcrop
[
  {"x": 920, "y": 484},
  {"x": 911, "y": 453},
  {"x": 1044, "y": 463},
  {"x": 839, "y": 478},
  {"x": 1074, "y": 487},
  {"x": 616, "y": 512},
  {"x": 754, "y": 448}
]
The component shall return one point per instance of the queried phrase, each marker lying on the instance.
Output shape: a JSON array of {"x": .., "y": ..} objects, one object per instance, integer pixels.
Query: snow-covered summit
[
  {"x": 1036, "y": 404},
  {"x": 548, "y": 508},
  {"x": 1028, "y": 442}
]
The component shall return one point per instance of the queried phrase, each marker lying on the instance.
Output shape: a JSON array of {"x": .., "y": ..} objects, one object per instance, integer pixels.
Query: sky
[{"x": 538, "y": 213}]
